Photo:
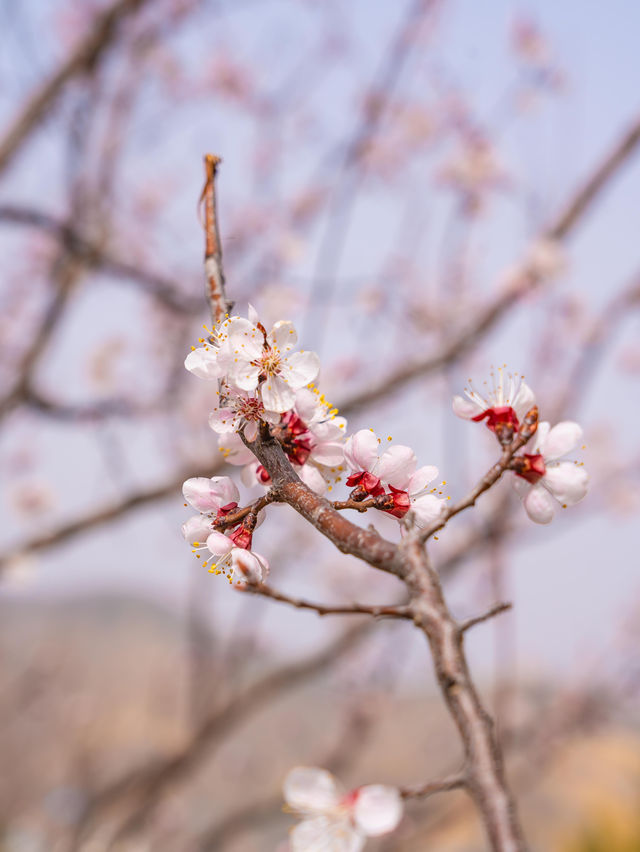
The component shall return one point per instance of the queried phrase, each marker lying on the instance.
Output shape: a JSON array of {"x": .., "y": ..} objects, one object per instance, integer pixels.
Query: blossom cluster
[{"x": 262, "y": 383}]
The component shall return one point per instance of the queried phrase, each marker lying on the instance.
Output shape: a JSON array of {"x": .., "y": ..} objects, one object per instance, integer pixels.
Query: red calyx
[
  {"x": 502, "y": 415},
  {"x": 223, "y": 511},
  {"x": 295, "y": 438},
  {"x": 366, "y": 483},
  {"x": 241, "y": 537},
  {"x": 529, "y": 467},
  {"x": 263, "y": 474}
]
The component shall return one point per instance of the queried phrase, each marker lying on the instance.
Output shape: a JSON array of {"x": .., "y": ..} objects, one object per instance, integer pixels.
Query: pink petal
[
  {"x": 208, "y": 495},
  {"x": 326, "y": 834},
  {"x": 196, "y": 528},
  {"x": 219, "y": 545},
  {"x": 421, "y": 478},
  {"x": 361, "y": 450},
  {"x": 378, "y": 809},
  {"x": 222, "y": 420},
  {"x": 247, "y": 566},
  {"x": 396, "y": 465}
]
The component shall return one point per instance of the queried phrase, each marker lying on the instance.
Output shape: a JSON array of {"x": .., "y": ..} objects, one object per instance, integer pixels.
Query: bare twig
[
  {"x": 453, "y": 782},
  {"x": 327, "y": 609},
  {"x": 496, "y": 609},
  {"x": 214, "y": 273}
]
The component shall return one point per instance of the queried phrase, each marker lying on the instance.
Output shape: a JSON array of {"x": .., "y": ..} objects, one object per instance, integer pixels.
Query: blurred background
[{"x": 426, "y": 188}]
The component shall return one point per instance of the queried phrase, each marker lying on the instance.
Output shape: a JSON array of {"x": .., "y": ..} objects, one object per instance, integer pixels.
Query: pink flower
[
  {"x": 370, "y": 471},
  {"x": 542, "y": 480},
  {"x": 335, "y": 821},
  {"x": 209, "y": 495},
  {"x": 231, "y": 553}
]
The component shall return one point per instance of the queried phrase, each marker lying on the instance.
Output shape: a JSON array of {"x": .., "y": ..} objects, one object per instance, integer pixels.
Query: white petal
[
  {"x": 301, "y": 368},
  {"x": 248, "y": 566},
  {"x": 421, "y": 478},
  {"x": 277, "y": 395},
  {"x": 312, "y": 477},
  {"x": 524, "y": 401},
  {"x": 245, "y": 340},
  {"x": 219, "y": 545},
  {"x": 197, "y": 528},
  {"x": 324, "y": 834},
  {"x": 541, "y": 436},
  {"x": 428, "y": 508},
  {"x": 539, "y": 505},
  {"x": 310, "y": 790},
  {"x": 361, "y": 450},
  {"x": 563, "y": 438},
  {"x": 465, "y": 408},
  {"x": 223, "y": 420},
  {"x": 521, "y": 486},
  {"x": 244, "y": 375},
  {"x": 252, "y": 314},
  {"x": 283, "y": 336},
  {"x": 567, "y": 482},
  {"x": 377, "y": 810},
  {"x": 233, "y": 450},
  {"x": 396, "y": 465},
  {"x": 203, "y": 363},
  {"x": 329, "y": 454},
  {"x": 306, "y": 405}
]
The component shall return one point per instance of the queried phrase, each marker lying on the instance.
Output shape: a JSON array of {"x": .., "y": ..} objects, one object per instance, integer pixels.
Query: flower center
[
  {"x": 250, "y": 409},
  {"x": 530, "y": 467},
  {"x": 270, "y": 362}
]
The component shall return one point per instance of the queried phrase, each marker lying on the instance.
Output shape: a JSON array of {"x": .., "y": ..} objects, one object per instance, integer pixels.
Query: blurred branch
[
  {"x": 525, "y": 279},
  {"x": 496, "y": 609},
  {"x": 219, "y": 305},
  {"x": 146, "y": 786},
  {"x": 83, "y": 58},
  {"x": 93, "y": 256}
]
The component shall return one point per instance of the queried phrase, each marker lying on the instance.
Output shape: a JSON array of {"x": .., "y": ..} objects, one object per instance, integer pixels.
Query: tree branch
[{"x": 327, "y": 609}]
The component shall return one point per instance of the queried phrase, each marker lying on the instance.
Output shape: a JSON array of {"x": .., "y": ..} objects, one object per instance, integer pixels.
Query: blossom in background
[
  {"x": 261, "y": 362},
  {"x": 541, "y": 479},
  {"x": 333, "y": 820},
  {"x": 503, "y": 406}
]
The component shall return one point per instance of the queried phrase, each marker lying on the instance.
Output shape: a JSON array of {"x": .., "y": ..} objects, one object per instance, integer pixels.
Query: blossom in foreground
[
  {"x": 542, "y": 480},
  {"x": 335, "y": 821},
  {"x": 408, "y": 489},
  {"x": 230, "y": 555},
  {"x": 257, "y": 361},
  {"x": 238, "y": 410},
  {"x": 503, "y": 406}
]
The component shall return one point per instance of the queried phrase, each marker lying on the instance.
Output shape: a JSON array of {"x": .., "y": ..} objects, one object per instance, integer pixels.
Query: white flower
[
  {"x": 242, "y": 564},
  {"x": 256, "y": 361},
  {"x": 239, "y": 409},
  {"x": 326, "y": 428},
  {"x": 370, "y": 471},
  {"x": 541, "y": 479},
  {"x": 209, "y": 360},
  {"x": 334, "y": 821},
  {"x": 504, "y": 405}
]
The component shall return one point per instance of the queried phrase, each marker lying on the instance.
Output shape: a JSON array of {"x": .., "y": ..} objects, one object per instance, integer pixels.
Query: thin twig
[
  {"x": 327, "y": 609},
  {"x": 213, "y": 268},
  {"x": 496, "y": 609},
  {"x": 453, "y": 782}
]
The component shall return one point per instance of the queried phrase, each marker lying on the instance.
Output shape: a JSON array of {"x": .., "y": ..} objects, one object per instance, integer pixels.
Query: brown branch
[
  {"x": 84, "y": 58},
  {"x": 484, "y": 770},
  {"x": 146, "y": 786},
  {"x": 453, "y": 782},
  {"x": 327, "y": 609},
  {"x": 528, "y": 428},
  {"x": 216, "y": 296}
]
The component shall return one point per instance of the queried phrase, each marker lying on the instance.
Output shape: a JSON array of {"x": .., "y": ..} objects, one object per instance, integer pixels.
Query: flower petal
[
  {"x": 330, "y": 454},
  {"x": 245, "y": 340},
  {"x": 219, "y": 545},
  {"x": 465, "y": 408},
  {"x": 396, "y": 465},
  {"x": 324, "y": 834},
  {"x": 252, "y": 315},
  {"x": 277, "y": 394},
  {"x": 539, "y": 505},
  {"x": 223, "y": 420},
  {"x": 233, "y": 450},
  {"x": 244, "y": 375},
  {"x": 524, "y": 401},
  {"x": 567, "y": 482},
  {"x": 208, "y": 495},
  {"x": 310, "y": 790},
  {"x": 377, "y": 810},
  {"x": 428, "y": 508},
  {"x": 196, "y": 528},
  {"x": 312, "y": 477},
  {"x": 248, "y": 566},
  {"x": 283, "y": 336},
  {"x": 361, "y": 450},
  {"x": 563, "y": 438},
  {"x": 301, "y": 368},
  {"x": 421, "y": 478},
  {"x": 203, "y": 363}
]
